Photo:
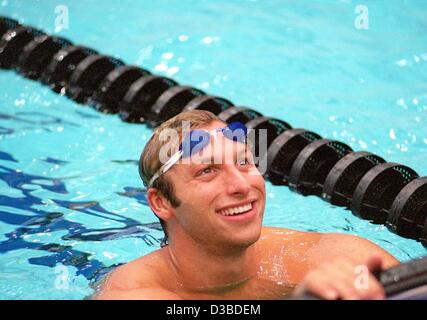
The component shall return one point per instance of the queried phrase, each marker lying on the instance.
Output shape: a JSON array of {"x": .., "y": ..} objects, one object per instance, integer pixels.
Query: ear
[{"x": 159, "y": 204}]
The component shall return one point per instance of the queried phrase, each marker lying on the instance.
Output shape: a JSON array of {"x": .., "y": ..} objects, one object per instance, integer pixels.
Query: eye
[
  {"x": 243, "y": 162},
  {"x": 204, "y": 171}
]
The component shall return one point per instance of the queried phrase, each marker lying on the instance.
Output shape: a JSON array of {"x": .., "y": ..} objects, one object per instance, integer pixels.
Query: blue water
[{"x": 70, "y": 194}]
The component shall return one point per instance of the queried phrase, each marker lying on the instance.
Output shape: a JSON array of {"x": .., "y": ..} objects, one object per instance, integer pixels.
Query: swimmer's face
[{"x": 211, "y": 190}]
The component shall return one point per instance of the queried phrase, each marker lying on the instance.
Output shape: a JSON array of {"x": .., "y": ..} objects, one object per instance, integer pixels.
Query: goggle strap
[
  {"x": 172, "y": 160},
  {"x": 166, "y": 166}
]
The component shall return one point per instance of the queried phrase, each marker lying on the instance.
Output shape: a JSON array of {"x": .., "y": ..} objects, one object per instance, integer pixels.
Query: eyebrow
[{"x": 241, "y": 153}]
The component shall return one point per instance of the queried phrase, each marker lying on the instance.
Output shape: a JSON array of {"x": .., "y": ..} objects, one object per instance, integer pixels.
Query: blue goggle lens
[{"x": 198, "y": 139}]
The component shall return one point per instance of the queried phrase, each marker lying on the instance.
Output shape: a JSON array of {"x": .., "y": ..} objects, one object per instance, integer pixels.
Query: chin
[{"x": 248, "y": 239}]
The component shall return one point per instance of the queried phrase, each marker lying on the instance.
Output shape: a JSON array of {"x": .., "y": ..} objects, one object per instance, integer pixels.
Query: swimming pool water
[{"x": 71, "y": 202}]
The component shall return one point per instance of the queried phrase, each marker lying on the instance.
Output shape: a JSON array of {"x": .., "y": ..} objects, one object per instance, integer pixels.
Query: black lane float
[
  {"x": 114, "y": 86},
  {"x": 213, "y": 104},
  {"x": 345, "y": 175},
  {"x": 171, "y": 102},
  {"x": 61, "y": 67},
  {"x": 378, "y": 188},
  {"x": 12, "y": 44},
  {"x": 38, "y": 53},
  {"x": 313, "y": 163},
  {"x": 283, "y": 151},
  {"x": 373, "y": 189},
  {"x": 241, "y": 114},
  {"x": 137, "y": 103},
  {"x": 88, "y": 75}
]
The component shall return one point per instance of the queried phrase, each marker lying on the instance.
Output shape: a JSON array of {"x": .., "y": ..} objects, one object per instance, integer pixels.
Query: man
[{"x": 211, "y": 212}]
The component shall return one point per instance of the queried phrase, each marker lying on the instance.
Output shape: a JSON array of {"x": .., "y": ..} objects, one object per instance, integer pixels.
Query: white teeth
[{"x": 236, "y": 210}]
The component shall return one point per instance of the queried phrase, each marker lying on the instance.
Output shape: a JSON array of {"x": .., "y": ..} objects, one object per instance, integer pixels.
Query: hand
[{"x": 344, "y": 279}]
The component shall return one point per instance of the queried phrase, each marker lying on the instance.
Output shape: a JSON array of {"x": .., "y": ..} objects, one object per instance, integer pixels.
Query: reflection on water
[{"x": 34, "y": 220}]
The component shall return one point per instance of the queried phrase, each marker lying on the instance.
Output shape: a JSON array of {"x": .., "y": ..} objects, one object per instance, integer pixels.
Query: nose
[{"x": 236, "y": 182}]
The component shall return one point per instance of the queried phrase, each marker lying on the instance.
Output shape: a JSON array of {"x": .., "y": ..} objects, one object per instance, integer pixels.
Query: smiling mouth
[{"x": 238, "y": 210}]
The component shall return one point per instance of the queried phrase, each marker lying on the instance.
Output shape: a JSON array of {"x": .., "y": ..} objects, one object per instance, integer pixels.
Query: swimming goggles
[{"x": 196, "y": 140}]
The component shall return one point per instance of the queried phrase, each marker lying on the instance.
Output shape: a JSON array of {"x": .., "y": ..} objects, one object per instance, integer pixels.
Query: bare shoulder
[
  {"x": 321, "y": 247},
  {"x": 137, "y": 273},
  {"x": 142, "y": 278},
  {"x": 292, "y": 245},
  {"x": 154, "y": 293},
  {"x": 282, "y": 236},
  {"x": 280, "y": 232},
  {"x": 334, "y": 245}
]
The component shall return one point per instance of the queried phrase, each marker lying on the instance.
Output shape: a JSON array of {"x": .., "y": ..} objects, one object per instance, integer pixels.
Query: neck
[{"x": 201, "y": 268}]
